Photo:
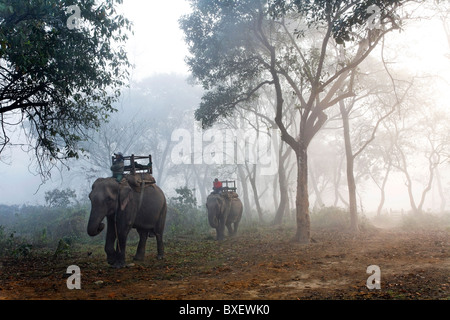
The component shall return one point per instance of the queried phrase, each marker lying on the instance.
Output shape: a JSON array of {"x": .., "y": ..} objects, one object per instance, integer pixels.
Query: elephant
[
  {"x": 224, "y": 210},
  {"x": 125, "y": 208}
]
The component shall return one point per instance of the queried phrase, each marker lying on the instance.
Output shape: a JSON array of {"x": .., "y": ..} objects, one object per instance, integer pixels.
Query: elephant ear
[{"x": 124, "y": 197}]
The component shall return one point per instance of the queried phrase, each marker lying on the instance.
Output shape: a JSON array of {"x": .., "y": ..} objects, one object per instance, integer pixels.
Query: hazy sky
[{"x": 157, "y": 45}]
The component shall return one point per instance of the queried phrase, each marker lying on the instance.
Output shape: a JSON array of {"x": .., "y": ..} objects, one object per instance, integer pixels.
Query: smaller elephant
[{"x": 224, "y": 210}]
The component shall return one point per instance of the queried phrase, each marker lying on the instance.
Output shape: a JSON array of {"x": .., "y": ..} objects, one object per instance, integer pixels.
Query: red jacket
[{"x": 217, "y": 184}]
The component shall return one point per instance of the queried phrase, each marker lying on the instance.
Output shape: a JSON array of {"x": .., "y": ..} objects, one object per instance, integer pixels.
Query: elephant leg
[
  {"x": 220, "y": 231},
  {"x": 140, "y": 252},
  {"x": 109, "y": 243},
  {"x": 160, "y": 245},
  {"x": 121, "y": 247},
  {"x": 236, "y": 224},
  {"x": 230, "y": 229}
]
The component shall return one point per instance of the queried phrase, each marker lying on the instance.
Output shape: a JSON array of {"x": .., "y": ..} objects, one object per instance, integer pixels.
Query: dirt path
[{"x": 257, "y": 264}]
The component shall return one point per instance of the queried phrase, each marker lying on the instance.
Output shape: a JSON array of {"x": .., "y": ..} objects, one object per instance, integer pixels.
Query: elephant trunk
[
  {"x": 213, "y": 204},
  {"x": 95, "y": 225},
  {"x": 213, "y": 221}
]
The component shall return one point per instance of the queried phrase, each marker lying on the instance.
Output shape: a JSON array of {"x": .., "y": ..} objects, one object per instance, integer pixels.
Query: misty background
[{"x": 162, "y": 98}]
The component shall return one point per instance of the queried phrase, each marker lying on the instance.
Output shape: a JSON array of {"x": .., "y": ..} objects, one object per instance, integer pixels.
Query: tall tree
[
  {"x": 62, "y": 64},
  {"x": 371, "y": 108},
  {"x": 422, "y": 139},
  {"x": 141, "y": 126},
  {"x": 239, "y": 47}
]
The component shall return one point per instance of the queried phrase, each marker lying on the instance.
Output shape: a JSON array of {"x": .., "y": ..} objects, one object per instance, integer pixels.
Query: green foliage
[
  {"x": 61, "y": 80},
  {"x": 349, "y": 18},
  {"x": 183, "y": 215},
  {"x": 223, "y": 57},
  {"x": 63, "y": 249},
  {"x": 331, "y": 217},
  {"x": 42, "y": 226},
  {"x": 186, "y": 198},
  {"x": 13, "y": 246},
  {"x": 60, "y": 198},
  {"x": 238, "y": 47}
]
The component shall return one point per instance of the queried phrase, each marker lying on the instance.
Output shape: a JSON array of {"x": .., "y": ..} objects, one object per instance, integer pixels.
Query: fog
[
  {"x": 331, "y": 120},
  {"x": 156, "y": 114}
]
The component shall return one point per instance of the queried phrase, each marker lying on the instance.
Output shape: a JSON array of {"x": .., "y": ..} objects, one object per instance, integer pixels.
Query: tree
[
  {"x": 59, "y": 78},
  {"x": 185, "y": 197},
  {"x": 239, "y": 47},
  {"x": 60, "y": 198},
  {"x": 371, "y": 108},
  {"x": 422, "y": 139}
]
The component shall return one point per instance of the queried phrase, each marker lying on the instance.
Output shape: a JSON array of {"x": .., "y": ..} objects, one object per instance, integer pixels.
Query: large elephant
[
  {"x": 126, "y": 208},
  {"x": 224, "y": 210}
]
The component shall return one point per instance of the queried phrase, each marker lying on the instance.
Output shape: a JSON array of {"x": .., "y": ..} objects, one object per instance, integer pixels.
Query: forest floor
[{"x": 259, "y": 263}]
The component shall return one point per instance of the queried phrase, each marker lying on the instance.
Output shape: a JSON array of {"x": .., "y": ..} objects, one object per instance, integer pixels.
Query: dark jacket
[{"x": 117, "y": 168}]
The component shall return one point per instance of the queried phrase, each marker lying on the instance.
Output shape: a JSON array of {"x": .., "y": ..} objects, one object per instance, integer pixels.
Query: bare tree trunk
[
  {"x": 403, "y": 167},
  {"x": 318, "y": 202},
  {"x": 432, "y": 163},
  {"x": 350, "y": 164},
  {"x": 245, "y": 196},
  {"x": 382, "y": 188},
  {"x": 203, "y": 183},
  {"x": 337, "y": 181},
  {"x": 440, "y": 190},
  {"x": 282, "y": 179},
  {"x": 252, "y": 178},
  {"x": 302, "y": 202}
]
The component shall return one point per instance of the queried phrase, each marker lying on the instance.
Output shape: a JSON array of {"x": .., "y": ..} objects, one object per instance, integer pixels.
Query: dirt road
[{"x": 261, "y": 263}]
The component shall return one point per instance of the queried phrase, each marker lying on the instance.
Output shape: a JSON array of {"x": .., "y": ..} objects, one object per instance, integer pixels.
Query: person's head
[
  {"x": 215, "y": 180},
  {"x": 119, "y": 155}
]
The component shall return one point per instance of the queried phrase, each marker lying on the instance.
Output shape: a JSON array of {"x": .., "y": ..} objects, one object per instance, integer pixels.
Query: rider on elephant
[
  {"x": 118, "y": 166},
  {"x": 217, "y": 186}
]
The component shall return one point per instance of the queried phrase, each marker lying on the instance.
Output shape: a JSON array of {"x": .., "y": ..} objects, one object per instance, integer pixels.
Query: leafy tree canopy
[
  {"x": 60, "y": 198},
  {"x": 230, "y": 55},
  {"x": 62, "y": 64}
]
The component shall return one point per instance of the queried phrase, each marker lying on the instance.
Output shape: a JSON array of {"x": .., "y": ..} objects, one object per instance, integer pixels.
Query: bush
[
  {"x": 184, "y": 216},
  {"x": 12, "y": 246},
  {"x": 330, "y": 217},
  {"x": 45, "y": 226},
  {"x": 413, "y": 222}
]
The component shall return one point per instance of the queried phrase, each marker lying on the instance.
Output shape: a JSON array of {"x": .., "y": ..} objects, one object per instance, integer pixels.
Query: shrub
[
  {"x": 330, "y": 217},
  {"x": 411, "y": 222},
  {"x": 183, "y": 214},
  {"x": 12, "y": 246},
  {"x": 44, "y": 226}
]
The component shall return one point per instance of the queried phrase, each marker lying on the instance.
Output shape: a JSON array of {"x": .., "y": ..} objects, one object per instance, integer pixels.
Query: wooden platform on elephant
[{"x": 134, "y": 167}]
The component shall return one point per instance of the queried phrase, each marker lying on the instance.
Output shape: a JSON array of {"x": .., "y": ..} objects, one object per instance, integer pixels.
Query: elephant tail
[{"x": 160, "y": 224}]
